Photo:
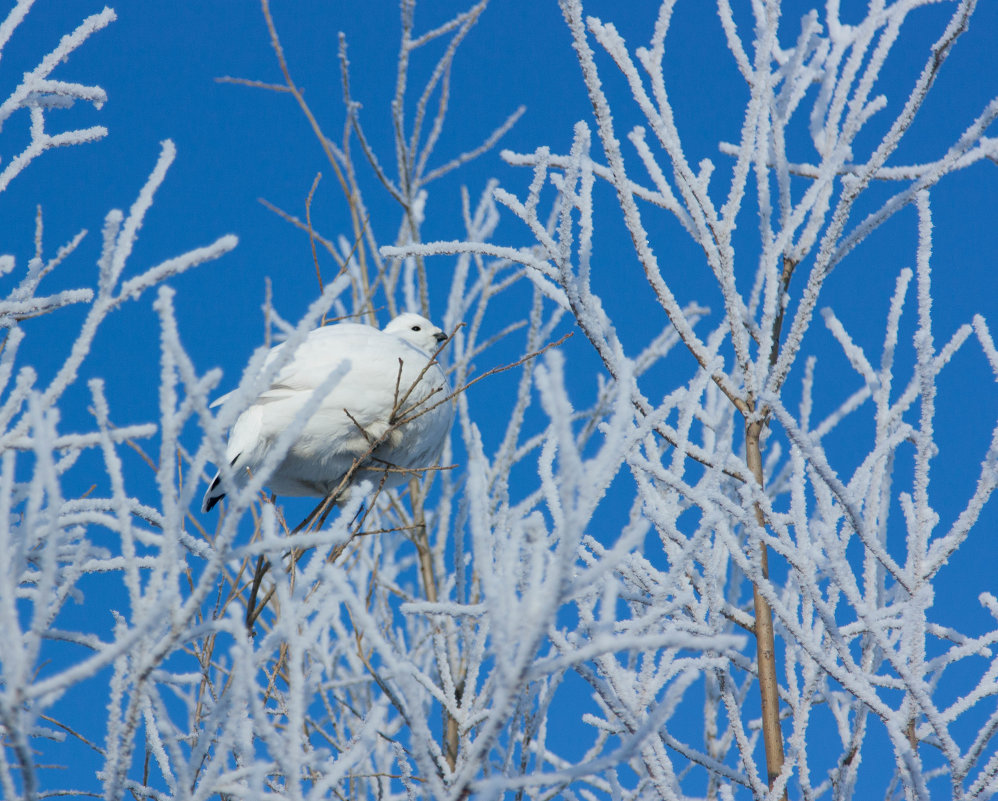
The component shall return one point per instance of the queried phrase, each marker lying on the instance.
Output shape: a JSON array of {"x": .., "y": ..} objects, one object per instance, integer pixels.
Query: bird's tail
[{"x": 215, "y": 492}]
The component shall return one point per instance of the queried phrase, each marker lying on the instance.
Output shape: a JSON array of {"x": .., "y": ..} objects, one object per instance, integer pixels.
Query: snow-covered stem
[
  {"x": 39, "y": 94},
  {"x": 747, "y": 495},
  {"x": 577, "y": 609}
]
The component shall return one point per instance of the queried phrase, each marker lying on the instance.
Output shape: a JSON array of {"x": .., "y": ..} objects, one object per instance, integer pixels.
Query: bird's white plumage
[{"x": 368, "y": 385}]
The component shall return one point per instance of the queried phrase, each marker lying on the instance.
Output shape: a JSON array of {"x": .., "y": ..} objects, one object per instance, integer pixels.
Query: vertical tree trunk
[
  {"x": 425, "y": 554},
  {"x": 765, "y": 639}
]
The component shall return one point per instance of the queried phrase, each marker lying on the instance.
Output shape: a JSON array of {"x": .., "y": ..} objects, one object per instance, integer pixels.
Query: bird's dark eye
[{"x": 416, "y": 328}]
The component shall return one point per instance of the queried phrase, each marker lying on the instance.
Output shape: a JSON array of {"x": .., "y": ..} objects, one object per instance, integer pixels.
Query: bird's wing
[
  {"x": 316, "y": 357},
  {"x": 272, "y": 354},
  {"x": 245, "y": 438},
  {"x": 372, "y": 357},
  {"x": 322, "y": 351},
  {"x": 219, "y": 400},
  {"x": 370, "y": 388}
]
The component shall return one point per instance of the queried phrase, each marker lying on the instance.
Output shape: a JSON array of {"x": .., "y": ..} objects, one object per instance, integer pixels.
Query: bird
[{"x": 390, "y": 392}]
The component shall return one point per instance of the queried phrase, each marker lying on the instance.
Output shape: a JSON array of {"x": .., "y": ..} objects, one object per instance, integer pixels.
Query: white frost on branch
[
  {"x": 38, "y": 93},
  {"x": 569, "y": 606}
]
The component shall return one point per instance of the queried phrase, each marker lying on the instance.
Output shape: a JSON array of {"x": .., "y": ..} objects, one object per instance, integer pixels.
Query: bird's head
[{"x": 416, "y": 329}]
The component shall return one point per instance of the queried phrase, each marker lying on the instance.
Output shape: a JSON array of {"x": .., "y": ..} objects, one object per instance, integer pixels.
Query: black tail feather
[{"x": 209, "y": 499}]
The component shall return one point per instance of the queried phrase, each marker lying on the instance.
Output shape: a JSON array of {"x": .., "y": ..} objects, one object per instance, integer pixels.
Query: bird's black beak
[{"x": 440, "y": 337}]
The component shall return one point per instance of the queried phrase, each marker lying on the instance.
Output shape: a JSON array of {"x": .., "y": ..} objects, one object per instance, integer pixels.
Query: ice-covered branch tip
[
  {"x": 541, "y": 272},
  {"x": 579, "y": 544},
  {"x": 13, "y": 311},
  {"x": 987, "y": 343},
  {"x": 38, "y": 93}
]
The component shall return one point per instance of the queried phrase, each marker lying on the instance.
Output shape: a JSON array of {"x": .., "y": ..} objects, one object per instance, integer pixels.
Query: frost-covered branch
[
  {"x": 577, "y": 606},
  {"x": 39, "y": 94}
]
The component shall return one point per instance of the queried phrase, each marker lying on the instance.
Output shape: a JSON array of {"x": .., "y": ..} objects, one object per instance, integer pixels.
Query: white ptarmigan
[{"x": 371, "y": 390}]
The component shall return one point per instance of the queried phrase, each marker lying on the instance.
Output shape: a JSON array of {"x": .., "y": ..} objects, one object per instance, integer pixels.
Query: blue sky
[{"x": 159, "y": 63}]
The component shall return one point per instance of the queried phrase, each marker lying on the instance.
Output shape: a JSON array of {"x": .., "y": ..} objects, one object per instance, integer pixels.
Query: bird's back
[{"x": 381, "y": 392}]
